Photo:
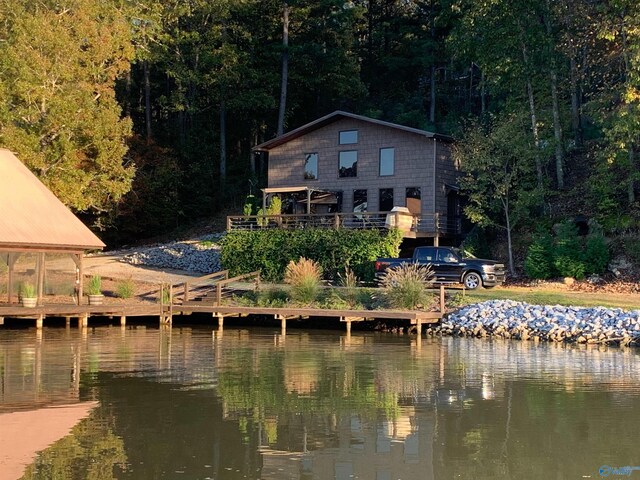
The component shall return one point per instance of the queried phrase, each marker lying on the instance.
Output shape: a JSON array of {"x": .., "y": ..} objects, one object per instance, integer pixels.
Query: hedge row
[{"x": 269, "y": 251}]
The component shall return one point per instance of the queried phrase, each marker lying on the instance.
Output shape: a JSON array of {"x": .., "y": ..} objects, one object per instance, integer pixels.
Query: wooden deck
[{"x": 207, "y": 295}]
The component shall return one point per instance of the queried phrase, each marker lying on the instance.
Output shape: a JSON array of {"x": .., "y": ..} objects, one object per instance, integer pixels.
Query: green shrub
[
  {"x": 125, "y": 289},
  {"x": 275, "y": 207},
  {"x": 273, "y": 297},
  {"x": 539, "y": 261},
  {"x": 270, "y": 251},
  {"x": 568, "y": 255},
  {"x": 632, "y": 248},
  {"x": 596, "y": 252},
  {"x": 405, "y": 286},
  {"x": 95, "y": 285},
  {"x": 304, "y": 276}
]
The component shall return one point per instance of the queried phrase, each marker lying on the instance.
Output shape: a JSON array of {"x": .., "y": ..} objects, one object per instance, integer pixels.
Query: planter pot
[
  {"x": 29, "y": 302},
  {"x": 95, "y": 299}
]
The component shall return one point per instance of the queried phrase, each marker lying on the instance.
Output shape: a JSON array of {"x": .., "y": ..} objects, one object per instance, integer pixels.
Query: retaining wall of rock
[
  {"x": 511, "y": 319},
  {"x": 201, "y": 256}
]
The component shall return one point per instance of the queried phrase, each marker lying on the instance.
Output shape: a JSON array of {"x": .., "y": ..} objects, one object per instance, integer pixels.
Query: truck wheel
[{"x": 472, "y": 281}]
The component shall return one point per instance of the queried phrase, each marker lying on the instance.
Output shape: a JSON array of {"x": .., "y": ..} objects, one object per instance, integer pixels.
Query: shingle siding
[{"x": 414, "y": 164}]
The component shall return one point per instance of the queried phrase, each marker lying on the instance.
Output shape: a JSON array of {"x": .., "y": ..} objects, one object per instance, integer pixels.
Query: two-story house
[{"x": 350, "y": 163}]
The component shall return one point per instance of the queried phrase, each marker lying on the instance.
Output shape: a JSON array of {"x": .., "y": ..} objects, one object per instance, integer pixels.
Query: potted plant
[
  {"x": 28, "y": 295},
  {"x": 94, "y": 290}
]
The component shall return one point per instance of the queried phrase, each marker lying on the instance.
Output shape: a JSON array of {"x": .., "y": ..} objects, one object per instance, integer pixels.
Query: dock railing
[{"x": 213, "y": 287}]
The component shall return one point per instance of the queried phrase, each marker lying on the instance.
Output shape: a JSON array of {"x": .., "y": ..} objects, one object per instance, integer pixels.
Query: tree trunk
[
  {"x": 147, "y": 100},
  {"x": 127, "y": 102},
  {"x": 631, "y": 195},
  {"x": 483, "y": 95},
  {"x": 576, "y": 119},
  {"x": 285, "y": 68},
  {"x": 432, "y": 106},
  {"x": 252, "y": 156},
  {"x": 557, "y": 131},
  {"x": 534, "y": 129},
  {"x": 223, "y": 142},
  {"x": 557, "y": 127},
  {"x": 532, "y": 108},
  {"x": 509, "y": 246}
]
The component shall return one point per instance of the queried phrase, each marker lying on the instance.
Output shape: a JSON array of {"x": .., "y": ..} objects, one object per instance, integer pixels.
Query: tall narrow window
[
  {"x": 348, "y": 164},
  {"x": 311, "y": 166},
  {"x": 413, "y": 197},
  {"x": 387, "y": 161},
  {"x": 359, "y": 200},
  {"x": 386, "y": 199},
  {"x": 348, "y": 137}
]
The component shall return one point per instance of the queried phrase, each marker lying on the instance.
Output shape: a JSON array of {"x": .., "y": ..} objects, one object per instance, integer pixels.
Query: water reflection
[{"x": 247, "y": 404}]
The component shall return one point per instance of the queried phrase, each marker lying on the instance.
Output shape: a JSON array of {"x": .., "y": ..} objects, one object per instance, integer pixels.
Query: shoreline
[{"x": 553, "y": 323}]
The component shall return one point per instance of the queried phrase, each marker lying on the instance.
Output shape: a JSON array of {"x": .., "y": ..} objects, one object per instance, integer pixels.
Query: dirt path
[{"x": 111, "y": 267}]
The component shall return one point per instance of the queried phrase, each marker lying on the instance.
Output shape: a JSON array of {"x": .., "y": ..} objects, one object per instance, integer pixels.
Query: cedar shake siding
[{"x": 421, "y": 160}]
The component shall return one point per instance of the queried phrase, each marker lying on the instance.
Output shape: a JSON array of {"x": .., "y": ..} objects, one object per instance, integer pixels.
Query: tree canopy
[{"x": 184, "y": 89}]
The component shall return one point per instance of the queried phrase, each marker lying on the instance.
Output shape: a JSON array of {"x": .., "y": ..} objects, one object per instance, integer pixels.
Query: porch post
[
  {"x": 264, "y": 202},
  {"x": 308, "y": 201}
]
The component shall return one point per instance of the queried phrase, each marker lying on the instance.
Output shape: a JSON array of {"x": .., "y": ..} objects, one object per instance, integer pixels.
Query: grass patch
[{"x": 542, "y": 296}]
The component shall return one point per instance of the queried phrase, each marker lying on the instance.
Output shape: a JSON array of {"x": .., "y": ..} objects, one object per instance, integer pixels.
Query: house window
[
  {"x": 311, "y": 166},
  {"x": 413, "y": 202},
  {"x": 387, "y": 161},
  {"x": 359, "y": 200},
  {"x": 348, "y": 137},
  {"x": 348, "y": 164},
  {"x": 386, "y": 199}
]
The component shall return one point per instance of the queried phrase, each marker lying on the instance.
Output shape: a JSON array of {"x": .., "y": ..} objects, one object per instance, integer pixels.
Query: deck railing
[{"x": 416, "y": 223}]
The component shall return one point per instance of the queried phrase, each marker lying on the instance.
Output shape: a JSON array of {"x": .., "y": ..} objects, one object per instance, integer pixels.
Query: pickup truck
[{"x": 451, "y": 265}]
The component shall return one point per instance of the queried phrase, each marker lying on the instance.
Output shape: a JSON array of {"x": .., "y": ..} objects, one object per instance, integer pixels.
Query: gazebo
[{"x": 34, "y": 221}]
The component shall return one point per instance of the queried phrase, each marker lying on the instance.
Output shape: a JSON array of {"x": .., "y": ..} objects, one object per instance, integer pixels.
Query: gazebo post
[
  {"x": 40, "y": 272},
  {"x": 80, "y": 277},
  {"x": 12, "y": 257},
  {"x": 77, "y": 259}
]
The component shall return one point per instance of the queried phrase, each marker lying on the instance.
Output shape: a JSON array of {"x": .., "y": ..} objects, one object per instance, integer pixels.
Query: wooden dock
[{"x": 206, "y": 295}]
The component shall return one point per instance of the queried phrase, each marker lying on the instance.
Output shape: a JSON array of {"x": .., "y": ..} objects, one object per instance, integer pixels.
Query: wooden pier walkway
[{"x": 206, "y": 295}]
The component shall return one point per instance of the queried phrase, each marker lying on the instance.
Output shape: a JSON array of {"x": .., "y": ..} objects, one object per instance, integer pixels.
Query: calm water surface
[{"x": 147, "y": 403}]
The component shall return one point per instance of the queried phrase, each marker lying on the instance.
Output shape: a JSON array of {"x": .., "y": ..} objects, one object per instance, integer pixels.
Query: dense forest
[{"x": 142, "y": 114}]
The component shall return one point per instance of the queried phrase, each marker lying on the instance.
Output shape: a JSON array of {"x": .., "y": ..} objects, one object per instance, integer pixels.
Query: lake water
[{"x": 193, "y": 403}]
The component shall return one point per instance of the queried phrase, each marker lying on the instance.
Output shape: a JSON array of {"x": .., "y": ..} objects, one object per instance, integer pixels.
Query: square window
[
  {"x": 386, "y": 199},
  {"x": 348, "y": 164},
  {"x": 311, "y": 166},
  {"x": 348, "y": 137},
  {"x": 359, "y": 200},
  {"x": 387, "y": 161}
]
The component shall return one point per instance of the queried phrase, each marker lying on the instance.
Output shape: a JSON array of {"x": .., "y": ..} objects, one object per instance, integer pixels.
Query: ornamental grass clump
[
  {"x": 304, "y": 276},
  {"x": 125, "y": 289},
  {"x": 349, "y": 284},
  {"x": 405, "y": 286},
  {"x": 95, "y": 285}
]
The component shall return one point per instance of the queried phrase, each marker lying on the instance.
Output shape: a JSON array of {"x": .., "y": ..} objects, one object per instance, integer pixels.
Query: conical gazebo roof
[{"x": 32, "y": 217}]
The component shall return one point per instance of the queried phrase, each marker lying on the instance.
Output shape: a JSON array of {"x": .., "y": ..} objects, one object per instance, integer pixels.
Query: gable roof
[
  {"x": 32, "y": 217},
  {"x": 339, "y": 115}
]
